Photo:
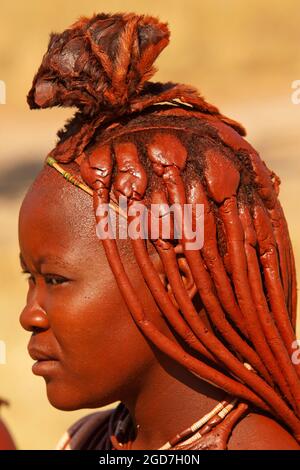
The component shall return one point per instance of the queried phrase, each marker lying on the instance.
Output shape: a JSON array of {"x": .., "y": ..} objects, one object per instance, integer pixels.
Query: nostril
[{"x": 35, "y": 330}]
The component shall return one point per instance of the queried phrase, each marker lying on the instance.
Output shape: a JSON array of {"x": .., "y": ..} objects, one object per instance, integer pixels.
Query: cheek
[{"x": 102, "y": 349}]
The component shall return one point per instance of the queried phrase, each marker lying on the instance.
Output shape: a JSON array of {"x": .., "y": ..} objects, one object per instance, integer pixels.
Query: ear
[{"x": 184, "y": 271}]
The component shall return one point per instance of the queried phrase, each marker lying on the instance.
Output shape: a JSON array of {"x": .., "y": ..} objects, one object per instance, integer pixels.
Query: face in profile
[{"x": 87, "y": 346}]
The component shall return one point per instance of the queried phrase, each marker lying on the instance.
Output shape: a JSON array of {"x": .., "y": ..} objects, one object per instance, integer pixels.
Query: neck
[{"x": 169, "y": 400}]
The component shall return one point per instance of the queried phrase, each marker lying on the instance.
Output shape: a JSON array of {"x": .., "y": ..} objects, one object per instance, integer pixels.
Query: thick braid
[
  {"x": 235, "y": 246},
  {"x": 282, "y": 252},
  {"x": 287, "y": 252},
  {"x": 195, "y": 194},
  {"x": 268, "y": 192},
  {"x": 130, "y": 182},
  {"x": 270, "y": 331},
  {"x": 266, "y": 189},
  {"x": 168, "y": 159},
  {"x": 269, "y": 261},
  {"x": 98, "y": 176},
  {"x": 206, "y": 289},
  {"x": 272, "y": 366},
  {"x": 163, "y": 300},
  {"x": 274, "y": 400}
]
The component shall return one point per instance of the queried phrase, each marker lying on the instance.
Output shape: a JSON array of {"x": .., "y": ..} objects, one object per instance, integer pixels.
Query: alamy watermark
[
  {"x": 158, "y": 221},
  {"x": 2, "y": 92},
  {"x": 296, "y": 93},
  {"x": 296, "y": 354}
]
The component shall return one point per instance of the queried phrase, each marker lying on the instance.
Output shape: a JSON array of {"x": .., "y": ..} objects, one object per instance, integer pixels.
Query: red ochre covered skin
[{"x": 225, "y": 313}]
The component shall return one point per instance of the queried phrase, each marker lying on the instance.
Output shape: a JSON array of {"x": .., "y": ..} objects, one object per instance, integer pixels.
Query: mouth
[{"x": 45, "y": 361}]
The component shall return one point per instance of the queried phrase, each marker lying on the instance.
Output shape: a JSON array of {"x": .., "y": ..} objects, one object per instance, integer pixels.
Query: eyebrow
[{"x": 44, "y": 259}]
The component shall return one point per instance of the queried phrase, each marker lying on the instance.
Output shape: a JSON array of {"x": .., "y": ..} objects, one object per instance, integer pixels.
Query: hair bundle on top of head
[
  {"x": 99, "y": 63},
  {"x": 242, "y": 339},
  {"x": 102, "y": 66}
]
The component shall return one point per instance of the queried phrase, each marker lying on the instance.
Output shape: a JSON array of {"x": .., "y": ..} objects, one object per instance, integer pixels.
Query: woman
[{"x": 195, "y": 343}]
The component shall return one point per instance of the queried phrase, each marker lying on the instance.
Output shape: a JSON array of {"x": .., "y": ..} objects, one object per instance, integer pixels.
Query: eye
[
  {"x": 54, "y": 279},
  {"x": 51, "y": 279}
]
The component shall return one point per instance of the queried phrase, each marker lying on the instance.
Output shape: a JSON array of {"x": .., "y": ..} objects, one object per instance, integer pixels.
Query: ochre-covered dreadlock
[{"x": 164, "y": 143}]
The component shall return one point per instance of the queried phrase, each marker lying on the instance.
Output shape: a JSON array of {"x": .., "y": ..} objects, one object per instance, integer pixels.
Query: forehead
[
  {"x": 56, "y": 215},
  {"x": 57, "y": 218},
  {"x": 51, "y": 197}
]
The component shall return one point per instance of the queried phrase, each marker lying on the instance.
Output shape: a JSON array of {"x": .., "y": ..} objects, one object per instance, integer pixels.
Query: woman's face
[{"x": 95, "y": 353}]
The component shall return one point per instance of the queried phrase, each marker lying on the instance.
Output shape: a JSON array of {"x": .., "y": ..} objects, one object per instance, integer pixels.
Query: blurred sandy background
[{"x": 243, "y": 56}]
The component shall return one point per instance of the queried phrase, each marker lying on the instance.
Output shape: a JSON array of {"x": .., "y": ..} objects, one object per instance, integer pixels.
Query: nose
[{"x": 33, "y": 317}]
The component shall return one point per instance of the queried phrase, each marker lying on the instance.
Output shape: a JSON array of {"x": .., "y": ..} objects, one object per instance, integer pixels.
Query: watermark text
[{"x": 176, "y": 221}]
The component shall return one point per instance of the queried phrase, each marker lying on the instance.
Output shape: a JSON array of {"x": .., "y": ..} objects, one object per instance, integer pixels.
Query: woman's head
[
  {"x": 75, "y": 309},
  {"x": 235, "y": 308}
]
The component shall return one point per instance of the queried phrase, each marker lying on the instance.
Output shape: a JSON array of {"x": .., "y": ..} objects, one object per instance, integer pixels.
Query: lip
[
  {"x": 40, "y": 355},
  {"x": 45, "y": 360},
  {"x": 44, "y": 367}
]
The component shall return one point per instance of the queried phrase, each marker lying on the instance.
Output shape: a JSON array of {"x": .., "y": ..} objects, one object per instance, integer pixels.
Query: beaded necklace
[{"x": 121, "y": 426}]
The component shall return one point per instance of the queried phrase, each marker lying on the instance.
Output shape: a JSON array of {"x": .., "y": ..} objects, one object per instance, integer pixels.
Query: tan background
[{"x": 243, "y": 56}]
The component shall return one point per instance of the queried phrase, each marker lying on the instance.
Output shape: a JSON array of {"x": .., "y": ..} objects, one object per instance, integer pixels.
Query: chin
[
  {"x": 63, "y": 403},
  {"x": 66, "y": 398}
]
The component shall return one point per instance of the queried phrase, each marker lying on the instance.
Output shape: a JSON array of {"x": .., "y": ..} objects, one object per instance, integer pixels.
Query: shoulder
[
  {"x": 259, "y": 432},
  {"x": 86, "y": 431}
]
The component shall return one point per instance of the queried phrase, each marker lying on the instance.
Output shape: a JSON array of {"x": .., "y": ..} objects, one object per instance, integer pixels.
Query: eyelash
[{"x": 60, "y": 280}]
